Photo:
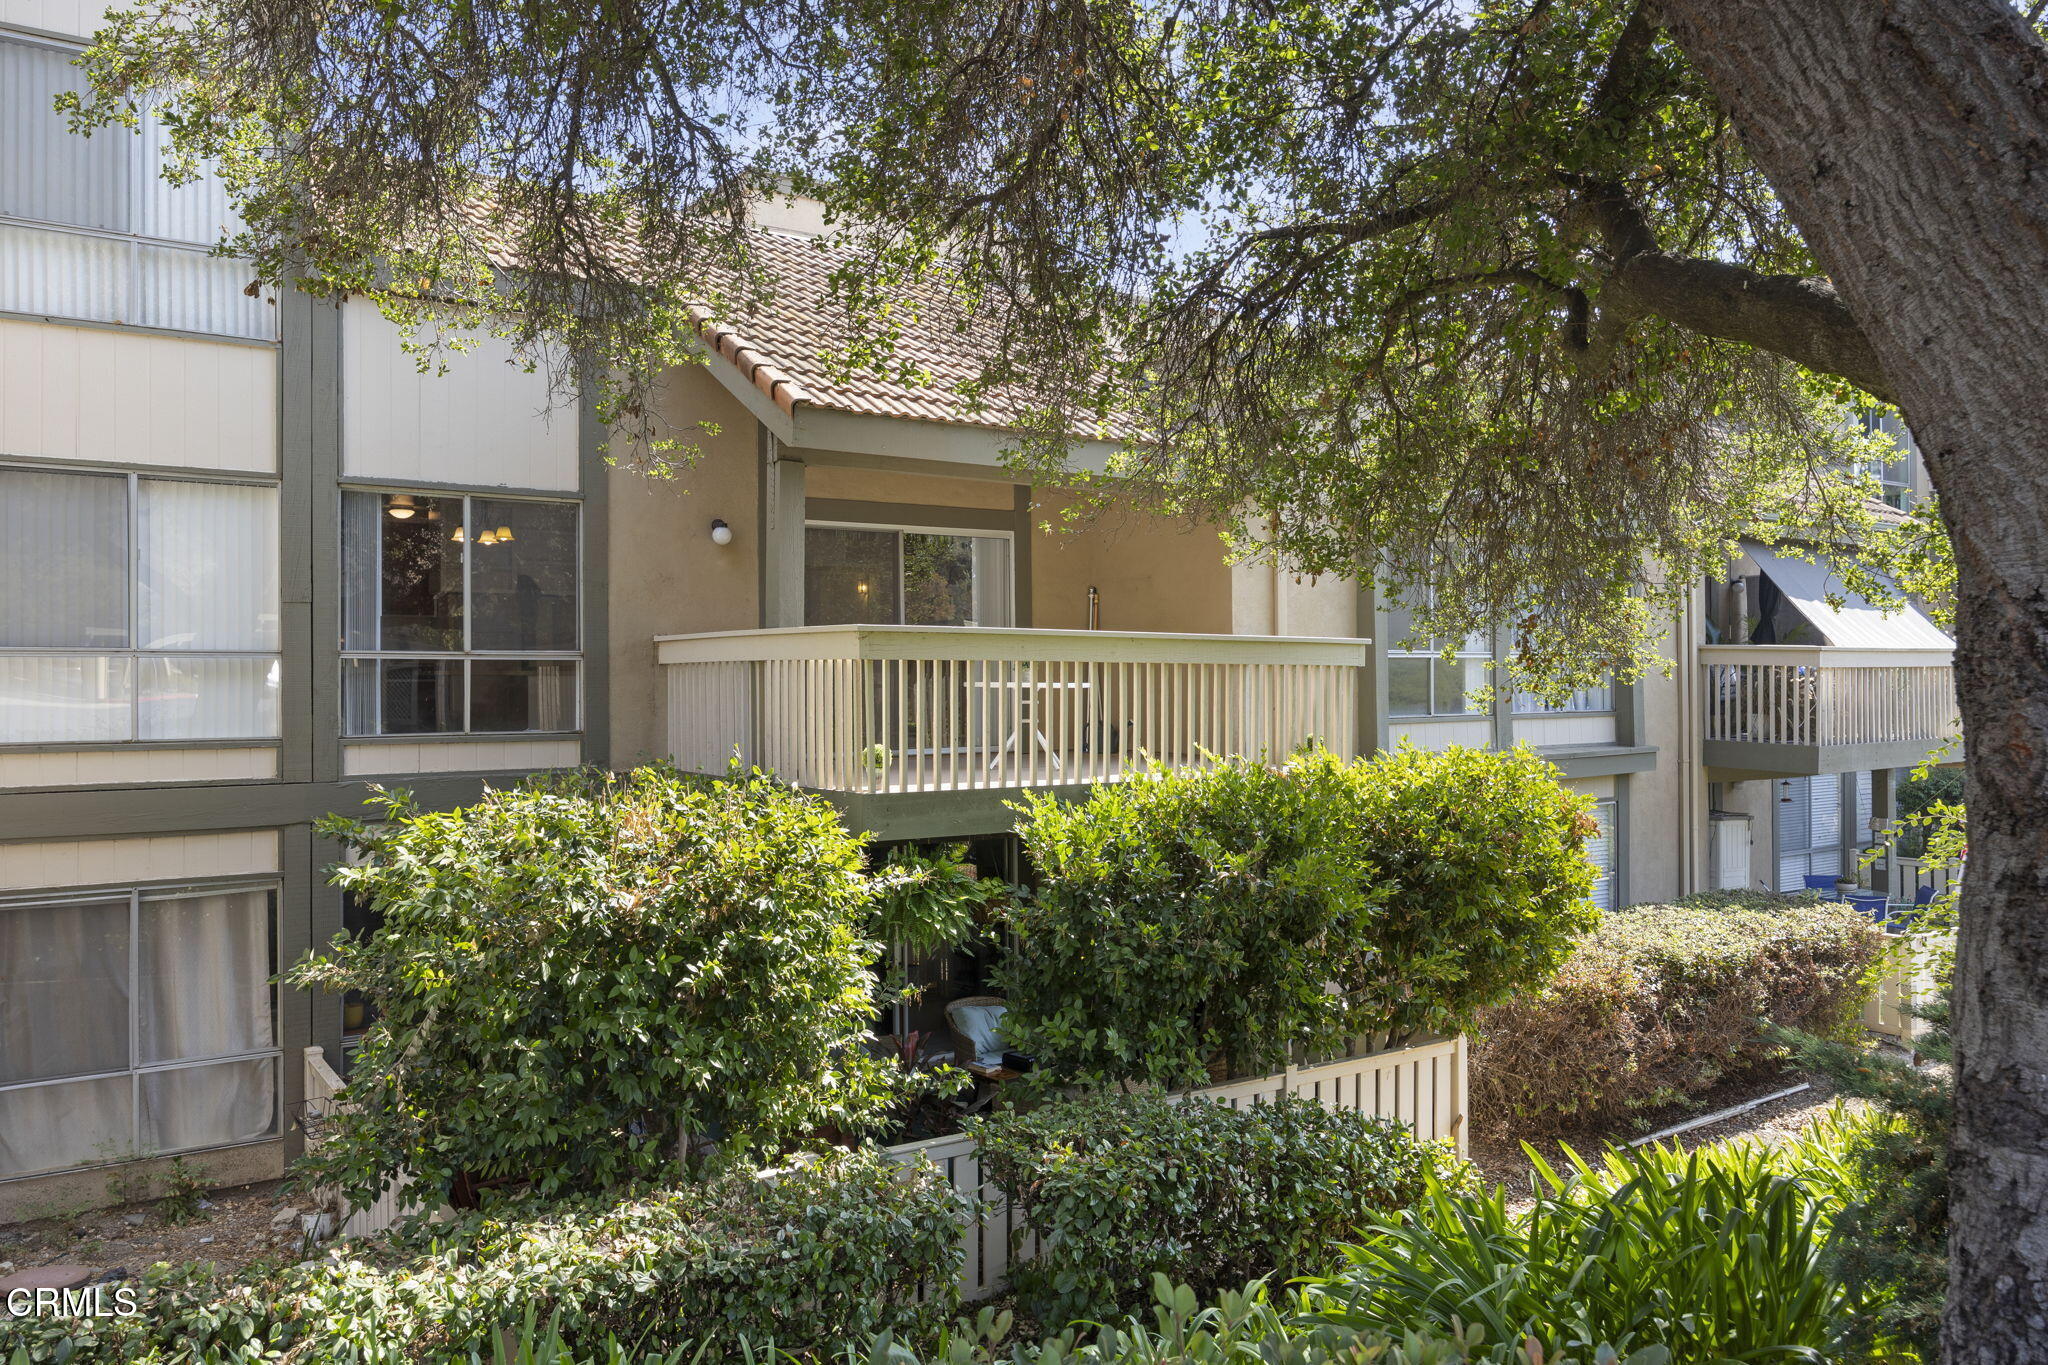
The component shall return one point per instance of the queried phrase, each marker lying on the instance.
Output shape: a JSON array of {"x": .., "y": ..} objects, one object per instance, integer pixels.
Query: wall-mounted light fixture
[{"x": 721, "y": 534}]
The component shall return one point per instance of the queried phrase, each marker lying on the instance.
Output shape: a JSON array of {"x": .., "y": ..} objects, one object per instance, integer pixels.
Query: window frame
[
  {"x": 467, "y": 654},
  {"x": 900, "y": 530},
  {"x": 1529, "y": 704},
  {"x": 1607, "y": 810},
  {"x": 133, "y": 477},
  {"x": 136, "y": 894}
]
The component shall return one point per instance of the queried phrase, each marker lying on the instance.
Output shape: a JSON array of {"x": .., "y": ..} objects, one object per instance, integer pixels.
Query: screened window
[
  {"x": 1426, "y": 679},
  {"x": 136, "y": 609},
  {"x": 887, "y": 576},
  {"x": 460, "y": 615},
  {"x": 1601, "y": 852},
  {"x": 136, "y": 1023},
  {"x": 91, "y": 227}
]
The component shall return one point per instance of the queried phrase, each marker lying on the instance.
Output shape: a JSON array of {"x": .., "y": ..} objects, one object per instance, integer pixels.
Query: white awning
[{"x": 1856, "y": 624}]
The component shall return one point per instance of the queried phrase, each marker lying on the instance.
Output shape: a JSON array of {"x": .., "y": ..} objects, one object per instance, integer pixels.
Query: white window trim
[
  {"x": 468, "y": 653},
  {"x": 135, "y": 1070}
]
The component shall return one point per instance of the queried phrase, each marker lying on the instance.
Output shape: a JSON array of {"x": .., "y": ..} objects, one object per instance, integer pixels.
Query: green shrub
[
  {"x": 808, "y": 1258},
  {"x": 1716, "y": 1255},
  {"x": 1659, "y": 1003},
  {"x": 1118, "y": 1186},
  {"x": 1240, "y": 914},
  {"x": 578, "y": 979}
]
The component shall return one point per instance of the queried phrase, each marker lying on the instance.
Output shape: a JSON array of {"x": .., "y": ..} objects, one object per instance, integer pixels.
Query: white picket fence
[
  {"x": 1423, "y": 1086},
  {"x": 323, "y": 1086}
]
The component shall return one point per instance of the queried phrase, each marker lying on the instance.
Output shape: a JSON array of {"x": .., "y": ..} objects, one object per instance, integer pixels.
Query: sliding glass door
[{"x": 868, "y": 575}]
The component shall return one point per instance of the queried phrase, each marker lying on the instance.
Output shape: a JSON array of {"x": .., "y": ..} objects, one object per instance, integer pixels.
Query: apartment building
[{"x": 252, "y": 561}]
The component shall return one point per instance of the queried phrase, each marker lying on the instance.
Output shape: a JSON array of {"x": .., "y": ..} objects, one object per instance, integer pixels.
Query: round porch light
[{"x": 721, "y": 534}]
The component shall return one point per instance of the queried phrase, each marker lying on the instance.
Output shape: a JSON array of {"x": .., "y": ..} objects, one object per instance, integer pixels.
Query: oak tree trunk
[{"x": 1909, "y": 140}]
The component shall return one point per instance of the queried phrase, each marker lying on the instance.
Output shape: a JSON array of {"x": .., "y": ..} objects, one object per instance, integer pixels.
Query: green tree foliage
[
  {"x": 1119, "y": 1187},
  {"x": 1490, "y": 292},
  {"x": 581, "y": 981},
  {"x": 1241, "y": 912},
  {"x": 932, "y": 899},
  {"x": 1659, "y": 1003}
]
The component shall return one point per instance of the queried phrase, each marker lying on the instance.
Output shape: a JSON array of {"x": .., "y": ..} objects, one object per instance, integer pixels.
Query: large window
[
  {"x": 1423, "y": 679},
  {"x": 136, "y": 609},
  {"x": 135, "y": 1023},
  {"x": 876, "y": 575},
  {"x": 1586, "y": 699},
  {"x": 459, "y": 615},
  {"x": 91, "y": 227}
]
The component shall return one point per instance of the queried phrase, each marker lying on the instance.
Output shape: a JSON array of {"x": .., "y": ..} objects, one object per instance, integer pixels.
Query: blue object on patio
[
  {"x": 1924, "y": 896},
  {"x": 1871, "y": 903},
  {"x": 1824, "y": 882}
]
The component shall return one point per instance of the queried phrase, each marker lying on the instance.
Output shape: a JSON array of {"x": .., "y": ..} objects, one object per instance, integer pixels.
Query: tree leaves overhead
[{"x": 1489, "y": 295}]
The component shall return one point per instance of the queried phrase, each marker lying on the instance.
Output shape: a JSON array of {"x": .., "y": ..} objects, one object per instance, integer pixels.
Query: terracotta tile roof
[{"x": 792, "y": 345}]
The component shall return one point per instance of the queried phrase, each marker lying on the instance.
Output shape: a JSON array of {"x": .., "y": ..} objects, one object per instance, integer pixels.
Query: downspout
[{"x": 1691, "y": 817}]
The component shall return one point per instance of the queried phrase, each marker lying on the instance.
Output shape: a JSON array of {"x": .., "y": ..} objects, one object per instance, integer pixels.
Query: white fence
[
  {"x": 1907, "y": 983},
  {"x": 875, "y": 709},
  {"x": 1423, "y": 1086},
  {"x": 1801, "y": 695}
]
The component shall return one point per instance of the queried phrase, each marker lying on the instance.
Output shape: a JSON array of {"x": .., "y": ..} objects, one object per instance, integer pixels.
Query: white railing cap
[
  {"x": 1006, "y": 644},
  {"x": 1826, "y": 656}
]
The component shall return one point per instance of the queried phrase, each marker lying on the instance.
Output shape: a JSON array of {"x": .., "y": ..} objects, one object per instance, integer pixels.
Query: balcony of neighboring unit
[
  {"x": 1789, "y": 710},
  {"x": 928, "y": 730}
]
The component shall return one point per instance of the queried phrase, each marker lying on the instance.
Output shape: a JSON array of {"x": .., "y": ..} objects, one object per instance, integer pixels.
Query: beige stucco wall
[
  {"x": 667, "y": 578},
  {"x": 1269, "y": 600},
  {"x": 1655, "y": 849},
  {"x": 1153, "y": 572}
]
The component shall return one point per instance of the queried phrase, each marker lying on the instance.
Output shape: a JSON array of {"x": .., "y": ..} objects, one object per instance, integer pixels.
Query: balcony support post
[{"x": 782, "y": 534}]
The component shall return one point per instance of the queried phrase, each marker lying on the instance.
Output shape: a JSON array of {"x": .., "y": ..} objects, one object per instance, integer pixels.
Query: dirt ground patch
[{"x": 233, "y": 1227}]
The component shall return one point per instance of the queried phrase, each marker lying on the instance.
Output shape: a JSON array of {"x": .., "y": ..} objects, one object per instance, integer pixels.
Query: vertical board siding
[
  {"x": 87, "y": 394},
  {"x": 484, "y": 423}
]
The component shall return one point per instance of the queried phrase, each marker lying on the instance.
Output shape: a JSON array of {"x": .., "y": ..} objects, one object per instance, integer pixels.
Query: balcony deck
[
  {"x": 1789, "y": 710},
  {"x": 973, "y": 716}
]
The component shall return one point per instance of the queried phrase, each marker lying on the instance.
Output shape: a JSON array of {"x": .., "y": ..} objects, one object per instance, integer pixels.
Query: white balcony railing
[
  {"x": 875, "y": 709},
  {"x": 1799, "y": 695}
]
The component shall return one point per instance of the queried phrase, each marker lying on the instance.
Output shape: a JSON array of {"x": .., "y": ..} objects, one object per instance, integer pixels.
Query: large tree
[{"x": 1508, "y": 297}]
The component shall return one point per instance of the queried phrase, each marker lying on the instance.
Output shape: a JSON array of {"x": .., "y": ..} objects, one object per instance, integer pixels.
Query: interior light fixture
[
  {"x": 401, "y": 507},
  {"x": 457, "y": 537},
  {"x": 504, "y": 535},
  {"x": 487, "y": 538}
]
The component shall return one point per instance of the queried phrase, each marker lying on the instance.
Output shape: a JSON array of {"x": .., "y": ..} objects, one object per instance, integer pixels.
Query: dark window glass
[
  {"x": 522, "y": 694},
  {"x": 522, "y": 575},
  {"x": 1408, "y": 687},
  {"x": 851, "y": 577},
  {"x": 938, "y": 579},
  {"x": 401, "y": 696},
  {"x": 402, "y": 569}
]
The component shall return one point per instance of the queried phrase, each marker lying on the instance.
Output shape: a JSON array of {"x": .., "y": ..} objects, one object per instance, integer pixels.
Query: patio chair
[{"x": 977, "y": 1048}]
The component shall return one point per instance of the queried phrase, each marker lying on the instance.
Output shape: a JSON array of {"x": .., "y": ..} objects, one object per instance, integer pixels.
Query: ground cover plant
[{"x": 1659, "y": 1003}]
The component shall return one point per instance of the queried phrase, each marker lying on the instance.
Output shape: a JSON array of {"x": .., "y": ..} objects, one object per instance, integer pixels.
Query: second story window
[
  {"x": 1586, "y": 699},
  {"x": 1423, "y": 679},
  {"x": 136, "y": 609},
  {"x": 459, "y": 615}
]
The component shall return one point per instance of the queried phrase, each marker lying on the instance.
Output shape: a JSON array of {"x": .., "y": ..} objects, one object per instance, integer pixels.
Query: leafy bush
[
  {"x": 806, "y": 1259},
  {"x": 1661, "y": 1002},
  {"x": 1233, "y": 915},
  {"x": 1893, "y": 1248},
  {"x": 1716, "y": 1255},
  {"x": 579, "y": 978},
  {"x": 1119, "y": 1186}
]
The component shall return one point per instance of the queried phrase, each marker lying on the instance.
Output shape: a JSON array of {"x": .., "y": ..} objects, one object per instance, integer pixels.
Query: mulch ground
[{"x": 233, "y": 1228}]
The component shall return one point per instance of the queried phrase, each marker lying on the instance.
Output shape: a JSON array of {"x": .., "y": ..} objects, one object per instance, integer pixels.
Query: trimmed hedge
[
  {"x": 1235, "y": 916},
  {"x": 1659, "y": 1003},
  {"x": 1120, "y": 1187},
  {"x": 807, "y": 1259}
]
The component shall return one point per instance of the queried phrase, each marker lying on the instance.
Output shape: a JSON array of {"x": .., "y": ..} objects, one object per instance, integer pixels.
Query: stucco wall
[
  {"x": 1153, "y": 572},
  {"x": 667, "y": 578},
  {"x": 1655, "y": 854}
]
